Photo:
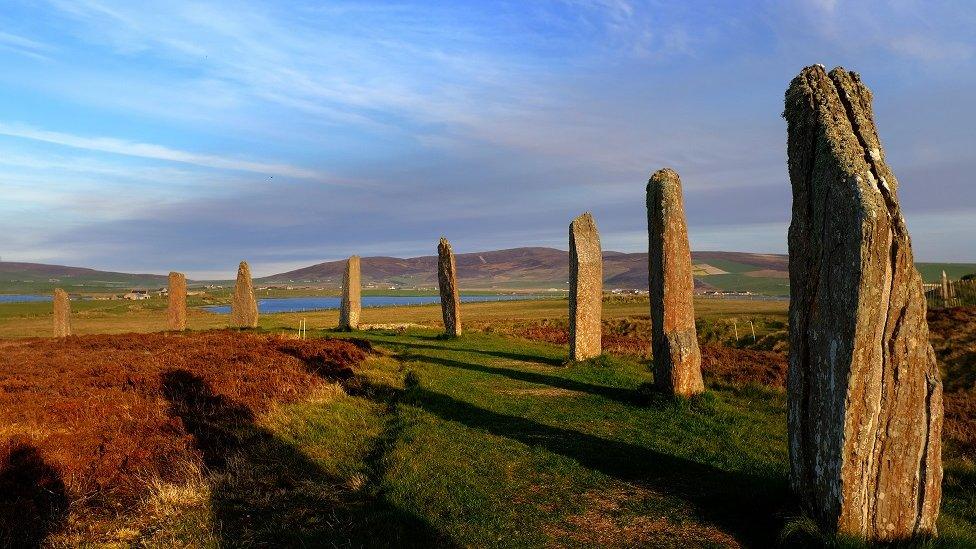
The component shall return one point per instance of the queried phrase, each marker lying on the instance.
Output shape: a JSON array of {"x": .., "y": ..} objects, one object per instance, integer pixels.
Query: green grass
[{"x": 494, "y": 442}]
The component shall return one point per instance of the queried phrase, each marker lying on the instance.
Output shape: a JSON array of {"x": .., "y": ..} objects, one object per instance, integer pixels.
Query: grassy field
[
  {"x": 488, "y": 440},
  {"x": 485, "y": 441}
]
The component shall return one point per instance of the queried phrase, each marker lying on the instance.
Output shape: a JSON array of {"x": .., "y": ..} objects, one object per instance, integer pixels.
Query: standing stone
[
  {"x": 244, "y": 308},
  {"x": 351, "y": 289},
  {"x": 864, "y": 394},
  {"x": 447, "y": 283},
  {"x": 677, "y": 359},
  {"x": 585, "y": 288},
  {"x": 945, "y": 290},
  {"x": 177, "y": 302},
  {"x": 62, "y": 313}
]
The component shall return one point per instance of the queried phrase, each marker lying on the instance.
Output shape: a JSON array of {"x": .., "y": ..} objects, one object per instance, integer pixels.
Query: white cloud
[
  {"x": 24, "y": 46},
  {"x": 157, "y": 152}
]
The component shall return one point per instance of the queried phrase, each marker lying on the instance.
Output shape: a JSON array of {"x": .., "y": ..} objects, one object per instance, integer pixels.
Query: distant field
[
  {"x": 932, "y": 272},
  {"x": 738, "y": 282},
  {"x": 90, "y": 317}
]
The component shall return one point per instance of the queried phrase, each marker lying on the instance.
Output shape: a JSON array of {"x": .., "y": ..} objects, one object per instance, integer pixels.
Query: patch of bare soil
[
  {"x": 607, "y": 522},
  {"x": 542, "y": 392}
]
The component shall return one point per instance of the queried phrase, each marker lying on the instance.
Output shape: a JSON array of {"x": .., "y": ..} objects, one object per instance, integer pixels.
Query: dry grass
[{"x": 607, "y": 522}]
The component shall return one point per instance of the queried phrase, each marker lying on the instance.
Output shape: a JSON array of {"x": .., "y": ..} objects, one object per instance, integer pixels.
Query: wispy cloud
[
  {"x": 24, "y": 46},
  {"x": 157, "y": 152}
]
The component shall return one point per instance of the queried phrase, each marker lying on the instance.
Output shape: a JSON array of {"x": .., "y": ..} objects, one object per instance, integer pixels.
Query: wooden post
[
  {"x": 753, "y": 328},
  {"x": 735, "y": 327}
]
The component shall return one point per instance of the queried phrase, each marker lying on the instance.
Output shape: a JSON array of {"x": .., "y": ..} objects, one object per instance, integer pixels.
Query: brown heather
[{"x": 101, "y": 414}]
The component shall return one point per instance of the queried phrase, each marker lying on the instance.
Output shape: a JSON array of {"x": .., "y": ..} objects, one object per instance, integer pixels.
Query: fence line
[{"x": 951, "y": 293}]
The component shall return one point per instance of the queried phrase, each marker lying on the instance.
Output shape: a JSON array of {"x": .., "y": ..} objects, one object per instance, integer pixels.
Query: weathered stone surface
[
  {"x": 946, "y": 292},
  {"x": 177, "y": 302},
  {"x": 677, "y": 359},
  {"x": 351, "y": 289},
  {"x": 244, "y": 307},
  {"x": 865, "y": 398},
  {"x": 447, "y": 283},
  {"x": 585, "y": 288},
  {"x": 62, "y": 313}
]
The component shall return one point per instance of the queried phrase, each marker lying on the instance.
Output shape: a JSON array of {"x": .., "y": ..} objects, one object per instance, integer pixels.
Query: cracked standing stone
[{"x": 864, "y": 393}]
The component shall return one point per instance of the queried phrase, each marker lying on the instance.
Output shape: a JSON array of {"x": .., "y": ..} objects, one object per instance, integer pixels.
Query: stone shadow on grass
[
  {"x": 532, "y": 358},
  {"x": 267, "y": 493},
  {"x": 33, "y": 501},
  {"x": 626, "y": 396},
  {"x": 749, "y": 507}
]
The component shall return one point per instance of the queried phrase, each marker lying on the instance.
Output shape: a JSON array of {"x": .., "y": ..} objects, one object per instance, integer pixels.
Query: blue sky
[{"x": 143, "y": 136}]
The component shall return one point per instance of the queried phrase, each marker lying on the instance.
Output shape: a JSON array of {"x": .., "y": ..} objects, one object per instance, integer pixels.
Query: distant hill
[
  {"x": 36, "y": 277},
  {"x": 515, "y": 268},
  {"x": 541, "y": 268}
]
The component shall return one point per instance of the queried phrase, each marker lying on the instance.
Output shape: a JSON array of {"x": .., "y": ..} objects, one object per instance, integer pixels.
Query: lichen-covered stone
[
  {"x": 62, "y": 313},
  {"x": 677, "y": 358},
  {"x": 351, "y": 290},
  {"x": 447, "y": 283},
  {"x": 585, "y": 288},
  {"x": 244, "y": 307},
  {"x": 865, "y": 397},
  {"x": 177, "y": 302}
]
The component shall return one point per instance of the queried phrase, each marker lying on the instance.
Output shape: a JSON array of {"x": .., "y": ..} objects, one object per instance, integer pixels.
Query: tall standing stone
[
  {"x": 677, "y": 358},
  {"x": 864, "y": 394},
  {"x": 177, "y": 302},
  {"x": 62, "y": 313},
  {"x": 244, "y": 308},
  {"x": 351, "y": 290},
  {"x": 585, "y": 288},
  {"x": 447, "y": 283}
]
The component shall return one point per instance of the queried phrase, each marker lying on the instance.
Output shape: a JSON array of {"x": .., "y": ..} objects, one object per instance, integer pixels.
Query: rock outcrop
[
  {"x": 244, "y": 307},
  {"x": 62, "y": 313},
  {"x": 177, "y": 302},
  {"x": 351, "y": 290},
  {"x": 585, "y": 288},
  {"x": 447, "y": 283},
  {"x": 864, "y": 393},
  {"x": 677, "y": 358}
]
